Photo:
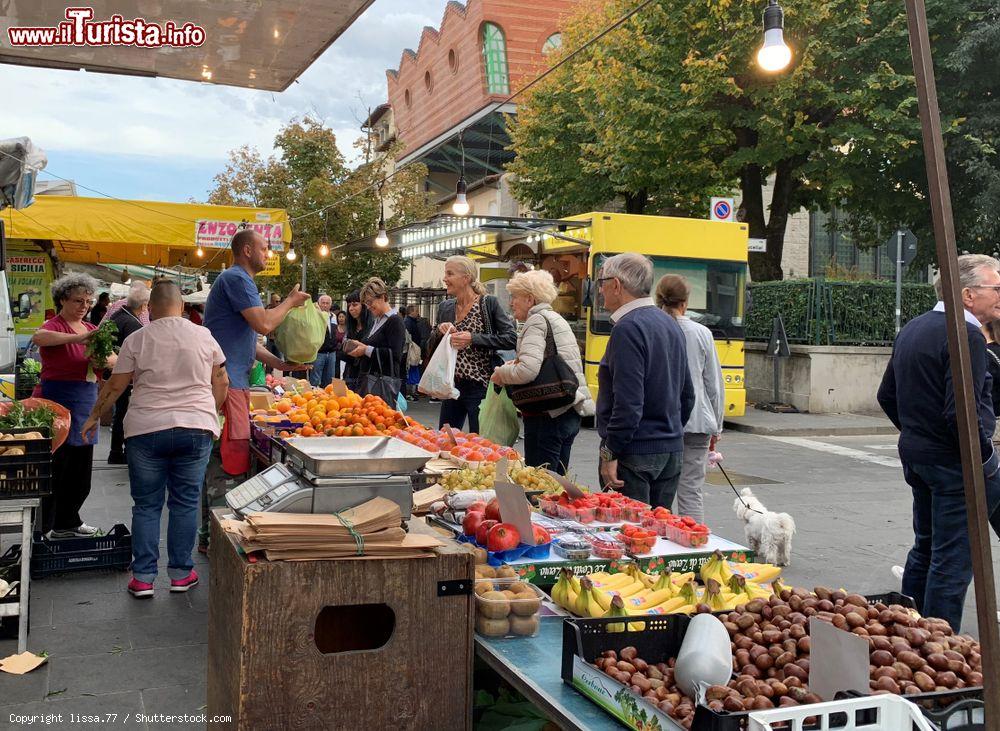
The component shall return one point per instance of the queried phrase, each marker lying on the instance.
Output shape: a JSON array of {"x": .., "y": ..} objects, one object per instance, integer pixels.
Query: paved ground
[
  {"x": 758, "y": 421},
  {"x": 112, "y": 654}
]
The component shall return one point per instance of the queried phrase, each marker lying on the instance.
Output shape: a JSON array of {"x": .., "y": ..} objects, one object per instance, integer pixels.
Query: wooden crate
[{"x": 267, "y": 622}]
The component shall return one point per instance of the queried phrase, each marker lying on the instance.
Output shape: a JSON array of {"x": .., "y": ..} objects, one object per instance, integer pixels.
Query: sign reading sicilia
[
  {"x": 218, "y": 234},
  {"x": 29, "y": 277}
]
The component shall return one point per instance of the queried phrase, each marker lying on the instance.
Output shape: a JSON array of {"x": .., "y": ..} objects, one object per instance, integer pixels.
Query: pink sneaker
[
  {"x": 140, "y": 589},
  {"x": 184, "y": 584}
]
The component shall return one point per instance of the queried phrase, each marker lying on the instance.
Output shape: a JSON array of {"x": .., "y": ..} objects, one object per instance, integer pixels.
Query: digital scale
[{"x": 330, "y": 474}]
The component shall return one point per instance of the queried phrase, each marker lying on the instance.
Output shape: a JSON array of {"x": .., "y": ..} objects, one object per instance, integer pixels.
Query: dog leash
[{"x": 735, "y": 491}]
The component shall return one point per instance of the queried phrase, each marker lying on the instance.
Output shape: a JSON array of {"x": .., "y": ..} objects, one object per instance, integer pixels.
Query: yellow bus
[{"x": 710, "y": 254}]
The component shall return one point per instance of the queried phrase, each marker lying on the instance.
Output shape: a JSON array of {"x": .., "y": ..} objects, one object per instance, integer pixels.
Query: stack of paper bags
[{"x": 370, "y": 530}]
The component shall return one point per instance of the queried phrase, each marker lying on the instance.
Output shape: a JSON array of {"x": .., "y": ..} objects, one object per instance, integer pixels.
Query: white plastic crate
[{"x": 890, "y": 713}]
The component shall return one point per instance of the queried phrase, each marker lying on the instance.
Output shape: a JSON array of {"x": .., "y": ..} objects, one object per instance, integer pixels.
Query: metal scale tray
[{"x": 354, "y": 456}]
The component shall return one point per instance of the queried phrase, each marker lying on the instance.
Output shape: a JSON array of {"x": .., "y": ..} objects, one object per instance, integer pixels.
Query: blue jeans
[
  {"x": 323, "y": 370},
  {"x": 939, "y": 566},
  {"x": 170, "y": 462},
  {"x": 455, "y": 411},
  {"x": 651, "y": 478},
  {"x": 548, "y": 441}
]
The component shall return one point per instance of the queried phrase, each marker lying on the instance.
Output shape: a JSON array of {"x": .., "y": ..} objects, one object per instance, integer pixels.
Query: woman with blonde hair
[
  {"x": 704, "y": 426},
  {"x": 548, "y": 436},
  {"x": 380, "y": 351},
  {"x": 479, "y": 328}
]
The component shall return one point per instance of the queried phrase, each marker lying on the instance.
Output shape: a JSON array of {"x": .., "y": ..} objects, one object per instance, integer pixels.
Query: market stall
[{"x": 566, "y": 578}]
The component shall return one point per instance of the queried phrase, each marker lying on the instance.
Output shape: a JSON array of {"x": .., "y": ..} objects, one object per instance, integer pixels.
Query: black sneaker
[{"x": 117, "y": 458}]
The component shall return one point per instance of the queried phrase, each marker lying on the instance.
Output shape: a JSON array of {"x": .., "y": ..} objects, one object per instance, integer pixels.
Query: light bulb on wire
[
  {"x": 324, "y": 250},
  {"x": 774, "y": 55},
  {"x": 461, "y": 205},
  {"x": 382, "y": 239},
  {"x": 199, "y": 252},
  {"x": 291, "y": 255}
]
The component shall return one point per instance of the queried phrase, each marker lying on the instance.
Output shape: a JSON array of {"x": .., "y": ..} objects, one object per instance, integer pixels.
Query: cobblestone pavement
[{"x": 109, "y": 653}]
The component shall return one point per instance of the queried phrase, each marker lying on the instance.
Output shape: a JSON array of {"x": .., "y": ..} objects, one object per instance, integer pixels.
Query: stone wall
[{"x": 819, "y": 378}]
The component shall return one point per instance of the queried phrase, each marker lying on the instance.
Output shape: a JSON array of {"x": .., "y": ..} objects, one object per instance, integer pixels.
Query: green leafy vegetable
[
  {"x": 30, "y": 365},
  {"x": 102, "y": 344},
  {"x": 18, "y": 416}
]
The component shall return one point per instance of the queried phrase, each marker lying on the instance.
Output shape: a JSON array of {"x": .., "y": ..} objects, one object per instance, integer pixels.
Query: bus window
[{"x": 717, "y": 290}]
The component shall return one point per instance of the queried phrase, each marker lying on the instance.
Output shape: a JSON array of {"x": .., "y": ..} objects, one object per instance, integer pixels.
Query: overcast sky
[{"x": 160, "y": 139}]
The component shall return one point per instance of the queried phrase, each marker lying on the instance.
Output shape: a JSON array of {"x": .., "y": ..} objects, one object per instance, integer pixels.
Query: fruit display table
[{"x": 531, "y": 665}]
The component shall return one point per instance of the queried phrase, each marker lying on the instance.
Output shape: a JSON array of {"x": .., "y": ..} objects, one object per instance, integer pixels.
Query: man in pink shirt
[{"x": 179, "y": 383}]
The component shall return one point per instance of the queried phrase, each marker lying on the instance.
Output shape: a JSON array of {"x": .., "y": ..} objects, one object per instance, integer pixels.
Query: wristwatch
[{"x": 606, "y": 455}]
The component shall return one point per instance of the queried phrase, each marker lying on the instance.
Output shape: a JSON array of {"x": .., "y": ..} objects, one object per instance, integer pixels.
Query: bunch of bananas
[
  {"x": 729, "y": 584},
  {"x": 637, "y": 592}
]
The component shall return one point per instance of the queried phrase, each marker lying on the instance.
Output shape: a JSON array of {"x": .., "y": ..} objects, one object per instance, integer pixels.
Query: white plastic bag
[{"x": 438, "y": 380}]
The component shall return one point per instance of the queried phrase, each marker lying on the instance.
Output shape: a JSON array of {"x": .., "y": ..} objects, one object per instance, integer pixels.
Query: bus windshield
[{"x": 717, "y": 291}]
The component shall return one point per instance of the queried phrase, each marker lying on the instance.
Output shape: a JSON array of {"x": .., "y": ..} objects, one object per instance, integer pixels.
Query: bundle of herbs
[
  {"x": 102, "y": 344},
  {"x": 32, "y": 417}
]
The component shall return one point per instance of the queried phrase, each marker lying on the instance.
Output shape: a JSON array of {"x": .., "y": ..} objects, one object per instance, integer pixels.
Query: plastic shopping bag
[
  {"x": 438, "y": 380},
  {"x": 498, "y": 417},
  {"x": 301, "y": 333}
]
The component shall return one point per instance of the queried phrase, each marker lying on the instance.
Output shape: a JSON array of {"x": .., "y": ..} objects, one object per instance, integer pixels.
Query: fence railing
[{"x": 821, "y": 312}]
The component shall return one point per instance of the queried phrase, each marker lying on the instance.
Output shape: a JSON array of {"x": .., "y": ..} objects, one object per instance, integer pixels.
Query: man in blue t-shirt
[{"x": 235, "y": 315}]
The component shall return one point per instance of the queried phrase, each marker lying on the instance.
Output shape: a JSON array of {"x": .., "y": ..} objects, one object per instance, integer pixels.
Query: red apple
[
  {"x": 502, "y": 537},
  {"x": 493, "y": 510},
  {"x": 483, "y": 529},
  {"x": 541, "y": 535},
  {"x": 477, "y": 507},
  {"x": 471, "y": 522}
]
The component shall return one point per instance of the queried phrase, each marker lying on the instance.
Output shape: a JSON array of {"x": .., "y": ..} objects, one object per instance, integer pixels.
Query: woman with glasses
[
  {"x": 380, "y": 352},
  {"x": 69, "y": 378}
]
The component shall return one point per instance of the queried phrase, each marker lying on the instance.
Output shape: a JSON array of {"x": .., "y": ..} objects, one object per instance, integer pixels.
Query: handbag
[
  {"x": 384, "y": 385},
  {"x": 554, "y": 387}
]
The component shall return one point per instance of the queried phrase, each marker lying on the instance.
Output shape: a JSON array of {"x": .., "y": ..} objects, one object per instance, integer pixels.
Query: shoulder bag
[{"x": 554, "y": 387}]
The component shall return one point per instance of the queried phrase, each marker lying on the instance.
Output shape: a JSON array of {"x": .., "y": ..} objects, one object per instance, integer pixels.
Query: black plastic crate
[
  {"x": 61, "y": 555},
  {"x": 10, "y": 571},
  {"x": 30, "y": 474},
  {"x": 952, "y": 710}
]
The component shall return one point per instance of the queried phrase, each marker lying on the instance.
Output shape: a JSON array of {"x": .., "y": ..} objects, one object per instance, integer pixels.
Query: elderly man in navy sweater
[
  {"x": 645, "y": 392},
  {"x": 917, "y": 395}
]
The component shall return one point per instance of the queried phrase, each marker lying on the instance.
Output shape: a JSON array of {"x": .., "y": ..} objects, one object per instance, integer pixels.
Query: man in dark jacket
[
  {"x": 918, "y": 397},
  {"x": 645, "y": 394},
  {"x": 128, "y": 320}
]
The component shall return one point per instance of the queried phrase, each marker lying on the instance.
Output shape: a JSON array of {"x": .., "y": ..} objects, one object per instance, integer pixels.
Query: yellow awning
[{"x": 106, "y": 231}]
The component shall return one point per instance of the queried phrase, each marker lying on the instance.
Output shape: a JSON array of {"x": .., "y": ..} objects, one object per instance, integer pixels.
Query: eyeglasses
[
  {"x": 80, "y": 301},
  {"x": 602, "y": 280},
  {"x": 994, "y": 287}
]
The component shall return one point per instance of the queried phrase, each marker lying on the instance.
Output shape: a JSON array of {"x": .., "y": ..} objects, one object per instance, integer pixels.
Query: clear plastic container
[
  {"x": 549, "y": 505},
  {"x": 633, "y": 513},
  {"x": 572, "y": 547},
  {"x": 606, "y": 547},
  {"x": 609, "y": 514},
  {"x": 565, "y": 511},
  {"x": 687, "y": 537},
  {"x": 507, "y": 608},
  {"x": 638, "y": 546},
  {"x": 586, "y": 515},
  {"x": 657, "y": 525}
]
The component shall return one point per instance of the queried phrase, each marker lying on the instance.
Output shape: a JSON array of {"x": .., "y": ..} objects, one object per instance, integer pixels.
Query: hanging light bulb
[
  {"x": 270, "y": 254},
  {"x": 774, "y": 55},
  {"x": 382, "y": 239},
  {"x": 324, "y": 247},
  {"x": 324, "y": 250},
  {"x": 200, "y": 252},
  {"x": 291, "y": 255},
  {"x": 461, "y": 205}
]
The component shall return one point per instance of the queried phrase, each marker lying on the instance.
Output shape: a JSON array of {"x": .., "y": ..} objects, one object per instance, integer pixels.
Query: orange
[
  {"x": 358, "y": 430},
  {"x": 298, "y": 400},
  {"x": 283, "y": 407},
  {"x": 307, "y": 431},
  {"x": 329, "y": 388}
]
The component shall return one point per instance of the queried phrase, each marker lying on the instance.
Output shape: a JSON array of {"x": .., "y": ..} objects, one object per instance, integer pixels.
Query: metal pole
[
  {"x": 899, "y": 276},
  {"x": 303, "y": 287},
  {"x": 958, "y": 351}
]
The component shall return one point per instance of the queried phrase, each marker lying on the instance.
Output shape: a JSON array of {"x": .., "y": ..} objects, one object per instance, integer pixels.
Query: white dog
[{"x": 768, "y": 534}]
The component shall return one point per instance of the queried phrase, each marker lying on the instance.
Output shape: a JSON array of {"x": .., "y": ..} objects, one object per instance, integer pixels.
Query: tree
[
  {"x": 671, "y": 108},
  {"x": 308, "y": 175}
]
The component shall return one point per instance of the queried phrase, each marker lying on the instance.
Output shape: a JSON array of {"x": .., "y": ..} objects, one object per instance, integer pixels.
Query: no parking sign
[{"x": 722, "y": 209}]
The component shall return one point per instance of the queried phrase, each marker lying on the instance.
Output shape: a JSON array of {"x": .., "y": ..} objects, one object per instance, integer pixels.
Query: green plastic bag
[
  {"x": 498, "y": 420},
  {"x": 258, "y": 377},
  {"x": 301, "y": 334}
]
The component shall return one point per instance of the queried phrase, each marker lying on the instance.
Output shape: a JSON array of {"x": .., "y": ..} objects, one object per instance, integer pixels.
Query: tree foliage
[
  {"x": 671, "y": 108},
  {"x": 308, "y": 173}
]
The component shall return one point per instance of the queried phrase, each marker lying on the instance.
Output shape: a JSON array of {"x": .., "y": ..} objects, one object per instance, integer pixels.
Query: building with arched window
[{"x": 495, "y": 59}]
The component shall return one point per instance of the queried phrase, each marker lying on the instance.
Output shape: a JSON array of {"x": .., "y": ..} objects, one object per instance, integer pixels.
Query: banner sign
[
  {"x": 272, "y": 267},
  {"x": 218, "y": 234},
  {"x": 29, "y": 277}
]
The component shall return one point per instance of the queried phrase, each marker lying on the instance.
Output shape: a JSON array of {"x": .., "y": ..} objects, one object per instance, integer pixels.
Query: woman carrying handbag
[{"x": 380, "y": 352}]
